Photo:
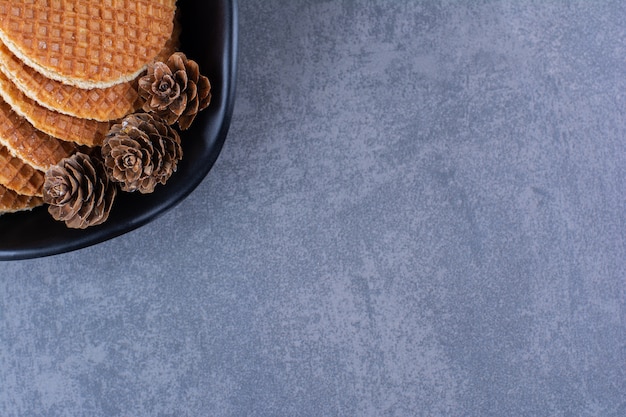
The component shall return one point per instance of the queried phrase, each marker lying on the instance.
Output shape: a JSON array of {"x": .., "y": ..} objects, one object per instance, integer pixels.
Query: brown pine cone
[
  {"x": 78, "y": 191},
  {"x": 141, "y": 152},
  {"x": 175, "y": 90}
]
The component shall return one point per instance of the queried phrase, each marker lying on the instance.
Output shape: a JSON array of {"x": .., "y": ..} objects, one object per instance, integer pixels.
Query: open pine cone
[
  {"x": 78, "y": 191},
  {"x": 141, "y": 152},
  {"x": 175, "y": 90}
]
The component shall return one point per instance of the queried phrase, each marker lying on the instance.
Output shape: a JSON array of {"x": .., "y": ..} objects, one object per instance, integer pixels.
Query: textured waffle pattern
[
  {"x": 18, "y": 176},
  {"x": 29, "y": 144},
  {"x": 88, "y": 43},
  {"x": 101, "y": 104},
  {"x": 61, "y": 126},
  {"x": 11, "y": 201}
]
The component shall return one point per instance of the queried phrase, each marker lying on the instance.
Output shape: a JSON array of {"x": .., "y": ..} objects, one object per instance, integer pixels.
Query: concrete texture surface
[{"x": 419, "y": 210}]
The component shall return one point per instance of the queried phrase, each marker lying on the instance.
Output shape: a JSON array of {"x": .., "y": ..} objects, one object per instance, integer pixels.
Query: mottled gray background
[{"x": 419, "y": 210}]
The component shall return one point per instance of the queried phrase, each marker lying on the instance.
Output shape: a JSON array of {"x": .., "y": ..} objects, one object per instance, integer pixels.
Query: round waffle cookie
[
  {"x": 69, "y": 128},
  {"x": 18, "y": 176},
  {"x": 29, "y": 144},
  {"x": 10, "y": 201},
  {"x": 87, "y": 43},
  {"x": 101, "y": 104},
  {"x": 98, "y": 103}
]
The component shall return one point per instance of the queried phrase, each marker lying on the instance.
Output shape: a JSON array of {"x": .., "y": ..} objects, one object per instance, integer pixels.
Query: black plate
[{"x": 209, "y": 37}]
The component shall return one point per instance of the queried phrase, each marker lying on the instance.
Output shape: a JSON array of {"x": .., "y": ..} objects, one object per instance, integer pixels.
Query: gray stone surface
[{"x": 419, "y": 210}]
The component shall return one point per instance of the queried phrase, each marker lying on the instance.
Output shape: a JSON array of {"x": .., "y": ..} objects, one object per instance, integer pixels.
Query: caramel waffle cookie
[
  {"x": 10, "y": 201},
  {"x": 87, "y": 43},
  {"x": 29, "y": 144},
  {"x": 68, "y": 128},
  {"x": 101, "y": 104},
  {"x": 18, "y": 176}
]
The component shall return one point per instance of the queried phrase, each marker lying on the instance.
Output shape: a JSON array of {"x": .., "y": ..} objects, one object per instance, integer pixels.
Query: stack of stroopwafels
[{"x": 68, "y": 71}]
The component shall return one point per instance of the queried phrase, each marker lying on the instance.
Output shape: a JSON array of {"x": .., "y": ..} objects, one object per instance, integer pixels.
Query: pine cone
[
  {"x": 175, "y": 90},
  {"x": 78, "y": 191},
  {"x": 141, "y": 152}
]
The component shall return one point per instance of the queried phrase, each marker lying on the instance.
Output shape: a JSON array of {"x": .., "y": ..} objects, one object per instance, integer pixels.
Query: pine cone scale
[
  {"x": 192, "y": 93},
  {"x": 178, "y": 106}
]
